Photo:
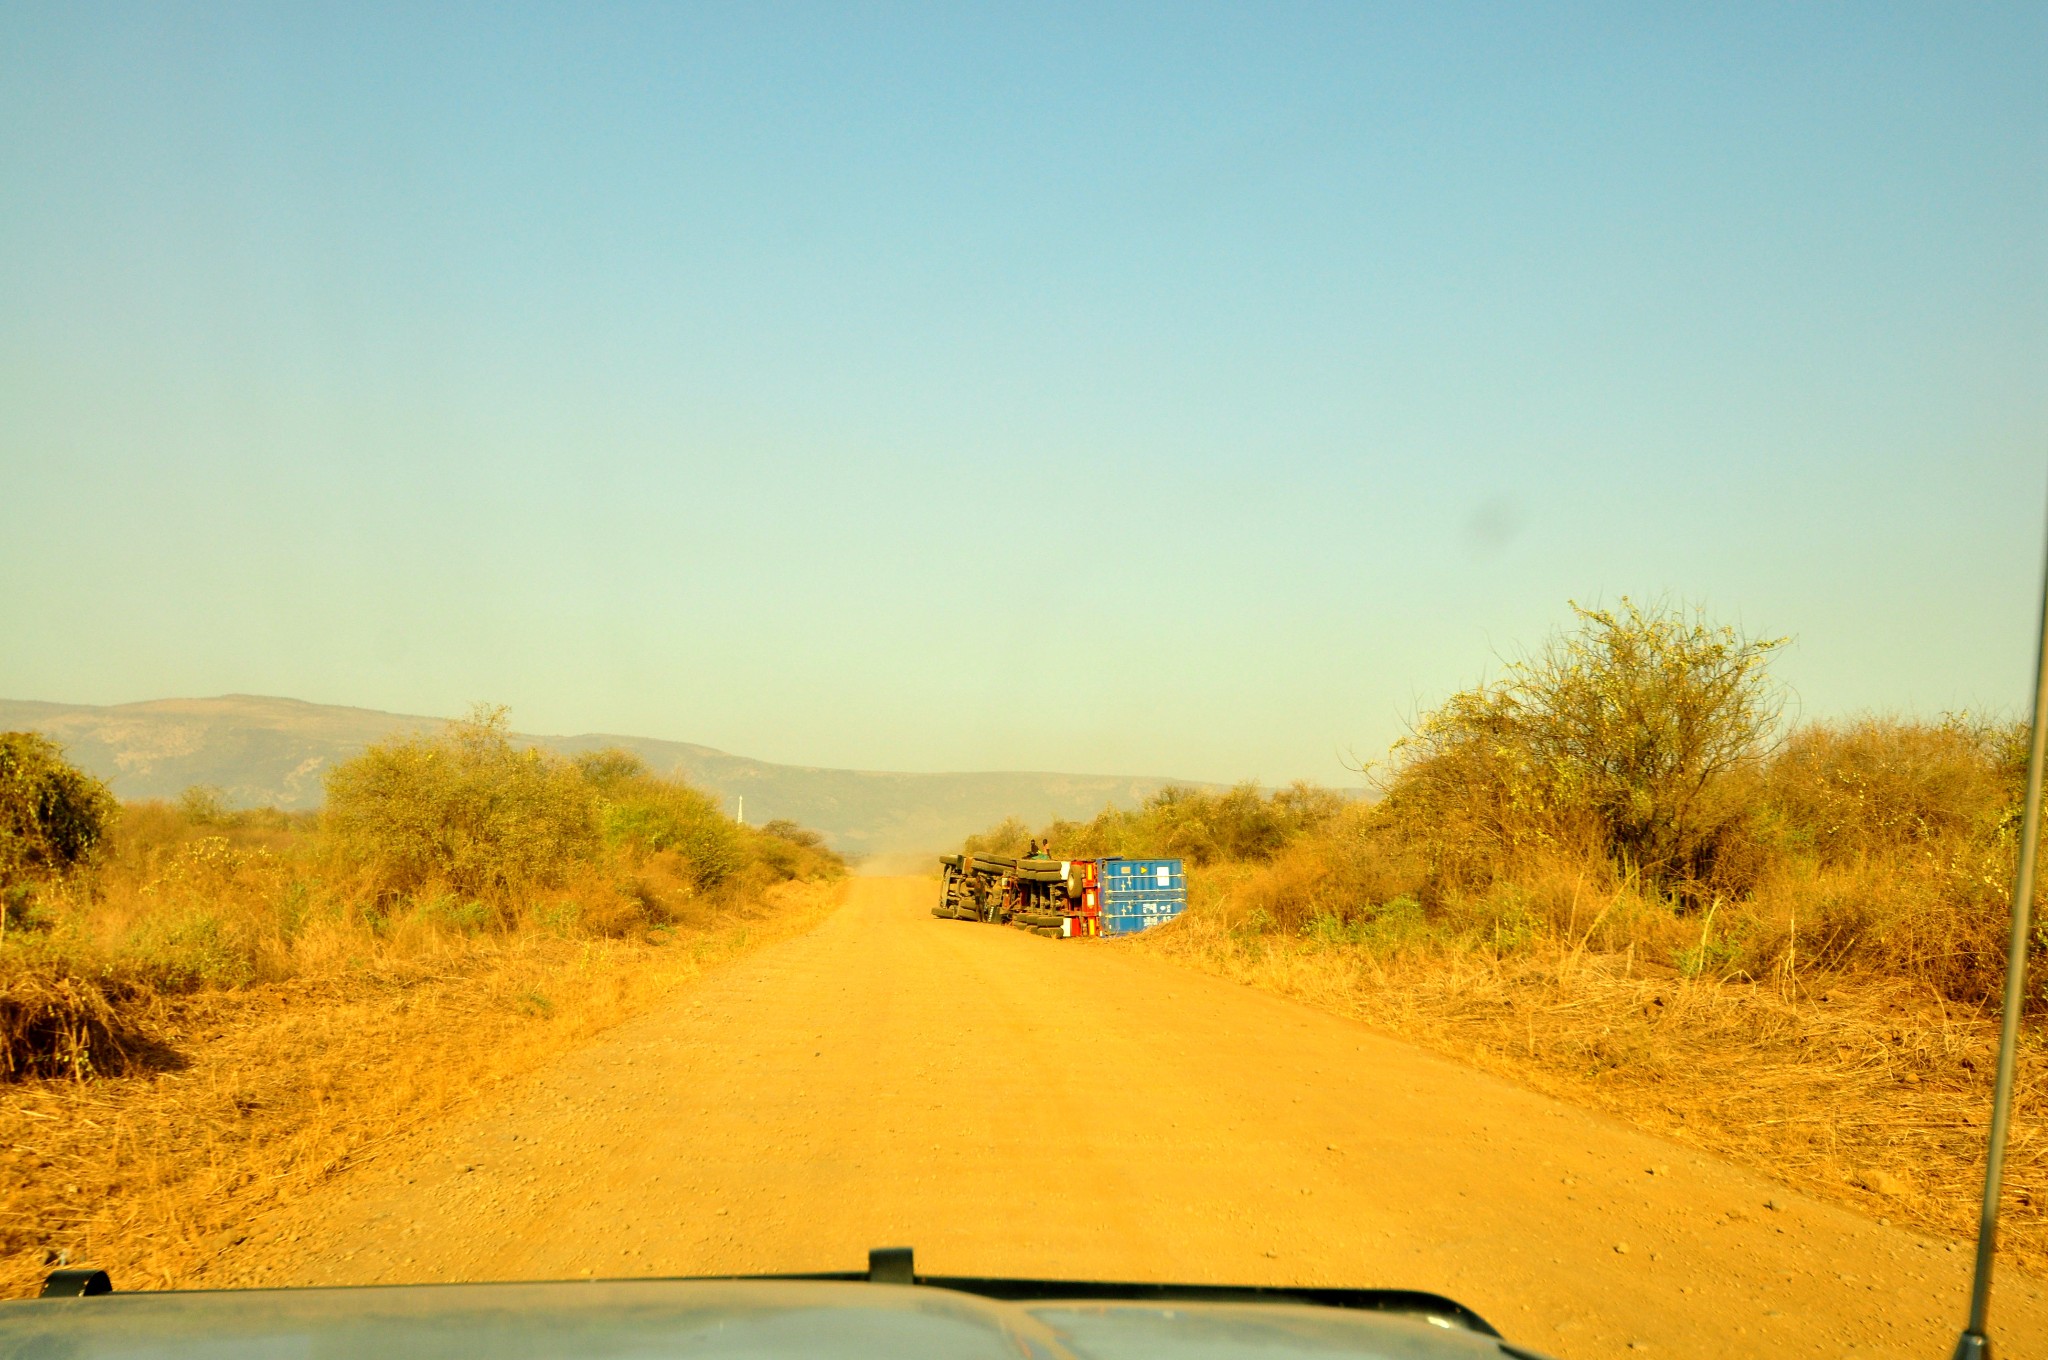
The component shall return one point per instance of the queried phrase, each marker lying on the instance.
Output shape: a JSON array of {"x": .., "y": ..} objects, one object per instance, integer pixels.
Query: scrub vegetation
[
  {"x": 200, "y": 1005},
  {"x": 1617, "y": 872}
]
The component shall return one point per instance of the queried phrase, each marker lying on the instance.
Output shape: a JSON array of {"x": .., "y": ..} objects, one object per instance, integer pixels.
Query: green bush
[
  {"x": 452, "y": 914},
  {"x": 1385, "y": 929},
  {"x": 645, "y": 816},
  {"x": 182, "y": 950},
  {"x": 53, "y": 816},
  {"x": 611, "y": 769},
  {"x": 785, "y": 850},
  {"x": 1199, "y": 825},
  {"x": 204, "y": 805},
  {"x": 656, "y": 815},
  {"x": 467, "y": 817},
  {"x": 782, "y": 829},
  {"x": 464, "y": 812}
]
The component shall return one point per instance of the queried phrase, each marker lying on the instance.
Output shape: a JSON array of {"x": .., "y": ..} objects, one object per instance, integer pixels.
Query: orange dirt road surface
[{"x": 1012, "y": 1105}]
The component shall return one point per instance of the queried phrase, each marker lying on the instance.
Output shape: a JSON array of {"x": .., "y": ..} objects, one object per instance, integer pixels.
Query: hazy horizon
[
  {"x": 573, "y": 733},
  {"x": 743, "y": 378}
]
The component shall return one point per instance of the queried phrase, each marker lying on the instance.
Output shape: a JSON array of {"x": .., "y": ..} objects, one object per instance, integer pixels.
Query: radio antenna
[{"x": 1974, "y": 1343}]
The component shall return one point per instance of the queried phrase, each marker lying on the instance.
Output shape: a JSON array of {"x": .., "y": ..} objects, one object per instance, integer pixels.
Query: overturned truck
[{"x": 1061, "y": 898}]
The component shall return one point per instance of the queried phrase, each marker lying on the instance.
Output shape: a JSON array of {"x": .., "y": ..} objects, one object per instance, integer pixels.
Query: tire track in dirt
[{"x": 1012, "y": 1105}]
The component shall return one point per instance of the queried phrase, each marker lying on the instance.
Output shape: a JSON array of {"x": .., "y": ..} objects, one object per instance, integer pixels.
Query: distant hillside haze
[{"x": 268, "y": 752}]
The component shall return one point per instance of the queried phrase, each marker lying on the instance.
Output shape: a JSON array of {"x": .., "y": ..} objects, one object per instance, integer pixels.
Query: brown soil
[{"x": 1014, "y": 1105}]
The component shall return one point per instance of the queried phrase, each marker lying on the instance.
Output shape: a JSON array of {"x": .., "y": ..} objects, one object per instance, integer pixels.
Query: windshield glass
[{"x": 1342, "y": 646}]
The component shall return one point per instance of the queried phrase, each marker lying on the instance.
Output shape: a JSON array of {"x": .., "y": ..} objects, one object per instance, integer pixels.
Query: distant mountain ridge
[{"x": 263, "y": 751}]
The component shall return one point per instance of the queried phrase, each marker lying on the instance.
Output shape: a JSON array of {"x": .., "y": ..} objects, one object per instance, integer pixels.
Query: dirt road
[{"x": 1012, "y": 1105}]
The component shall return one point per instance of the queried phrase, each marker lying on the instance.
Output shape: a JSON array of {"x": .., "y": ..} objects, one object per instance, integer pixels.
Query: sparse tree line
[
  {"x": 426, "y": 844},
  {"x": 1631, "y": 785}
]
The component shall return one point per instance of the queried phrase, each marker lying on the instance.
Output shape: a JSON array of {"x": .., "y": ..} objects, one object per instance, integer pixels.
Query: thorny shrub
[{"x": 465, "y": 811}]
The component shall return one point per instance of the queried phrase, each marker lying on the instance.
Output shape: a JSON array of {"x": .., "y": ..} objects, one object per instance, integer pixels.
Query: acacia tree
[
  {"x": 1637, "y": 715},
  {"x": 1620, "y": 731}
]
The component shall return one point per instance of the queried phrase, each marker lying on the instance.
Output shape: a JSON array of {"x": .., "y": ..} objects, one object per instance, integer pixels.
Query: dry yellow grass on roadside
[
  {"x": 1868, "y": 1093},
  {"x": 280, "y": 1086}
]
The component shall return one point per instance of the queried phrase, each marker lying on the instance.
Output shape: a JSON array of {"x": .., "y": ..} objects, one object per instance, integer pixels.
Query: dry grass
[
  {"x": 215, "y": 1010},
  {"x": 260, "y": 1093},
  {"x": 1871, "y": 1092},
  {"x": 431, "y": 848},
  {"x": 56, "y": 1023}
]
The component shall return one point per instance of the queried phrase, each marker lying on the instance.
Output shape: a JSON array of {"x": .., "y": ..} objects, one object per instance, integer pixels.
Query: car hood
[{"x": 714, "y": 1319}]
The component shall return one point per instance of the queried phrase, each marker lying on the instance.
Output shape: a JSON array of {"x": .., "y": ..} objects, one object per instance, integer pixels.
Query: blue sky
[{"x": 1182, "y": 389}]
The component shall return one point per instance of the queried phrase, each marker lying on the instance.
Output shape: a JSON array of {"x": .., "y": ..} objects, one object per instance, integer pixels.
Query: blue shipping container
[{"x": 1137, "y": 893}]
